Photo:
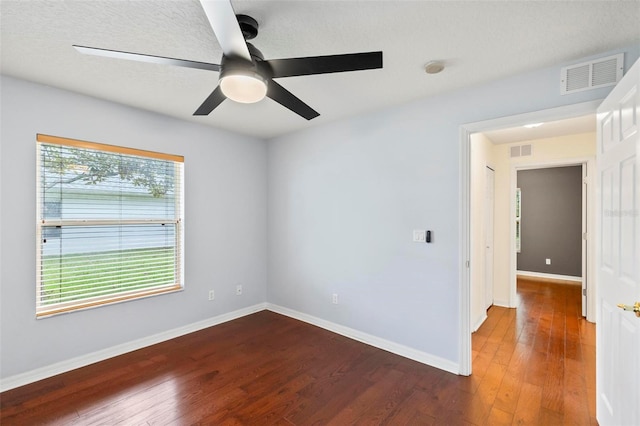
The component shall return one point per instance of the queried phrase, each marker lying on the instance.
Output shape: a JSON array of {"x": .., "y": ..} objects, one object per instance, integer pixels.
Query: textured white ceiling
[{"x": 479, "y": 41}]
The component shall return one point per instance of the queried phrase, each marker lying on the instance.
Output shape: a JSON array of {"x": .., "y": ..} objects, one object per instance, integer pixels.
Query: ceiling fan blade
[
  {"x": 288, "y": 100},
  {"x": 225, "y": 25},
  {"x": 325, "y": 64},
  {"x": 146, "y": 58},
  {"x": 215, "y": 98}
]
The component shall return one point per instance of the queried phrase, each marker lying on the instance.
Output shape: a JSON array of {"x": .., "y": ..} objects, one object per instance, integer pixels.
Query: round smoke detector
[{"x": 433, "y": 67}]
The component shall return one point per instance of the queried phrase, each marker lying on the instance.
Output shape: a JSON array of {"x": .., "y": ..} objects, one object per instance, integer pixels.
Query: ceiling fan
[{"x": 245, "y": 76}]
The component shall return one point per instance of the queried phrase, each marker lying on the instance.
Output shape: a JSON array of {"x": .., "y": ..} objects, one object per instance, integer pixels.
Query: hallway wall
[{"x": 551, "y": 221}]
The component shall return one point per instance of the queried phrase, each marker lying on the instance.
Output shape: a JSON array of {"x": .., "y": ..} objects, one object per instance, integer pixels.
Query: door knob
[{"x": 635, "y": 308}]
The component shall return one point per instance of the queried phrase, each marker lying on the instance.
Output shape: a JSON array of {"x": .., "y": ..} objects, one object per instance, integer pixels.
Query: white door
[
  {"x": 488, "y": 237},
  {"x": 618, "y": 331}
]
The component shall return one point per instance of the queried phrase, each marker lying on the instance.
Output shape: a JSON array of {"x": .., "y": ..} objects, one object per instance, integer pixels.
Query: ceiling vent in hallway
[
  {"x": 520, "y": 151},
  {"x": 591, "y": 75}
]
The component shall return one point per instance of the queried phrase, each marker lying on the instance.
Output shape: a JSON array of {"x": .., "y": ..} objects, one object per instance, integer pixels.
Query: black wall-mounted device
[{"x": 428, "y": 236}]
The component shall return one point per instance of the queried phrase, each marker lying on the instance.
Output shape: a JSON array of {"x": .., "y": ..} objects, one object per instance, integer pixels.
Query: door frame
[
  {"x": 465, "y": 132},
  {"x": 588, "y": 226},
  {"x": 489, "y": 217}
]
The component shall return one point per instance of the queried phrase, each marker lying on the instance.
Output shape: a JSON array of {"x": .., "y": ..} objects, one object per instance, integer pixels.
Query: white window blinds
[{"x": 109, "y": 224}]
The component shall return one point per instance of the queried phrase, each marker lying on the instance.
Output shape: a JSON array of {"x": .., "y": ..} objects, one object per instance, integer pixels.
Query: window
[{"x": 109, "y": 224}]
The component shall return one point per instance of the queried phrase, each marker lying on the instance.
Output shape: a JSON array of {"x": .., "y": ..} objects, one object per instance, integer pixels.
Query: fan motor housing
[
  {"x": 241, "y": 65},
  {"x": 248, "y": 26}
]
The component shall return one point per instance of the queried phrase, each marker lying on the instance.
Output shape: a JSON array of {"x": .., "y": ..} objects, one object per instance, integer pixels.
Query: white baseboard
[
  {"x": 549, "y": 276},
  {"x": 81, "y": 361},
  {"x": 478, "y": 323},
  {"x": 389, "y": 346},
  {"x": 84, "y": 360},
  {"x": 501, "y": 303}
]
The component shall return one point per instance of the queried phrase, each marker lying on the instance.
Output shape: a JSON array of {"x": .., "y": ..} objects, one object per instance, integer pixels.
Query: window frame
[{"x": 43, "y": 310}]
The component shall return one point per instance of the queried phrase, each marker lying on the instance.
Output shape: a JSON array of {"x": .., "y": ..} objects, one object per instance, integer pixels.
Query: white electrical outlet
[
  {"x": 334, "y": 298},
  {"x": 211, "y": 295},
  {"x": 419, "y": 236},
  {"x": 239, "y": 290},
  {"x": 548, "y": 261}
]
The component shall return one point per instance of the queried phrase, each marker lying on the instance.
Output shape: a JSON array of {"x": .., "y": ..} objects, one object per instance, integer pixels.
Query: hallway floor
[{"x": 536, "y": 364}]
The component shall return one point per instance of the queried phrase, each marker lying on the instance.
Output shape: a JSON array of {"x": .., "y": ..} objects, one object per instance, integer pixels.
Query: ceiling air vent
[
  {"x": 591, "y": 75},
  {"x": 520, "y": 151}
]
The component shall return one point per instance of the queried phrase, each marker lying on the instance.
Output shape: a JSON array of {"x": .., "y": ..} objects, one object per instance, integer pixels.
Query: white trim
[
  {"x": 502, "y": 303},
  {"x": 479, "y": 322},
  {"x": 101, "y": 355},
  {"x": 551, "y": 114},
  {"x": 464, "y": 280},
  {"x": 549, "y": 276},
  {"x": 396, "y": 348}
]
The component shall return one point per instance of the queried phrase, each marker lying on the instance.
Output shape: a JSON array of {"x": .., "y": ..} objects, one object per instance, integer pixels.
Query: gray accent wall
[{"x": 551, "y": 220}]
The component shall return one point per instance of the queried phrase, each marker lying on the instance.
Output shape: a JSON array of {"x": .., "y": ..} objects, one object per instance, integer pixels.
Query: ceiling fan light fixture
[
  {"x": 245, "y": 76},
  {"x": 244, "y": 87}
]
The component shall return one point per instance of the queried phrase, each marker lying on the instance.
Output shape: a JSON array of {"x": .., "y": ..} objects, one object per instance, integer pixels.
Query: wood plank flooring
[{"x": 531, "y": 365}]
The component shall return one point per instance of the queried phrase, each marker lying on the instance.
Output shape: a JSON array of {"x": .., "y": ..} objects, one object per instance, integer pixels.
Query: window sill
[{"x": 45, "y": 312}]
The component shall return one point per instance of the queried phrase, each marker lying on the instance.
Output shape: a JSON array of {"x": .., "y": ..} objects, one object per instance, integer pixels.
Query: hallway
[{"x": 536, "y": 364}]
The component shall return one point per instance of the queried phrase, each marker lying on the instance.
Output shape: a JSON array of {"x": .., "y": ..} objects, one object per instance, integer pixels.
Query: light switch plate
[{"x": 419, "y": 236}]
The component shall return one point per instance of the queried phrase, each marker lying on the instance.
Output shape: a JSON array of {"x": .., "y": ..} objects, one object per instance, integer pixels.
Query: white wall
[
  {"x": 225, "y": 224},
  {"x": 344, "y": 198}
]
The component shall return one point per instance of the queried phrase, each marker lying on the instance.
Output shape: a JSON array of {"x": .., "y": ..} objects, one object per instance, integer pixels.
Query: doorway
[
  {"x": 551, "y": 239},
  {"x": 504, "y": 296}
]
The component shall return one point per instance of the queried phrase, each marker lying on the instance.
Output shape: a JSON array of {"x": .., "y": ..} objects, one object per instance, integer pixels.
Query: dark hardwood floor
[{"x": 533, "y": 365}]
